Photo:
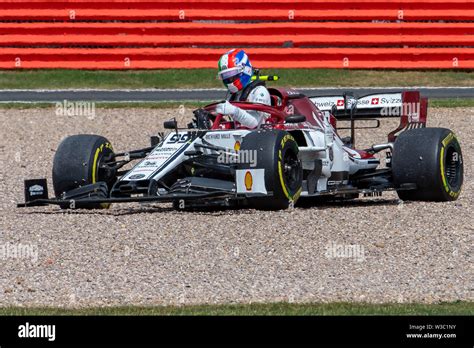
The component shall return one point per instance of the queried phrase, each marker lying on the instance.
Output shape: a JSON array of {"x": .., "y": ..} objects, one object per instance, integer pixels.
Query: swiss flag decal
[
  {"x": 340, "y": 102},
  {"x": 374, "y": 101}
]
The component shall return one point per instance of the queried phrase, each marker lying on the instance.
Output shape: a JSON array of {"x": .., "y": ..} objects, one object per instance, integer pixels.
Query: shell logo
[
  {"x": 237, "y": 146},
  {"x": 248, "y": 181}
]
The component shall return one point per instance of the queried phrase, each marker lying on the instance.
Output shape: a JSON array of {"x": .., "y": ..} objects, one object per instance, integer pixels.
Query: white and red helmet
[{"x": 235, "y": 70}]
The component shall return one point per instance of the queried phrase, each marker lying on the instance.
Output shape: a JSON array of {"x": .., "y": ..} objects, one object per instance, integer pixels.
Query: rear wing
[{"x": 408, "y": 106}]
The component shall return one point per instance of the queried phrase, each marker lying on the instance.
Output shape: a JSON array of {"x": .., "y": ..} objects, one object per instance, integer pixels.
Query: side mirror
[
  {"x": 334, "y": 110},
  {"x": 295, "y": 119},
  {"x": 171, "y": 124},
  {"x": 354, "y": 105},
  {"x": 154, "y": 140}
]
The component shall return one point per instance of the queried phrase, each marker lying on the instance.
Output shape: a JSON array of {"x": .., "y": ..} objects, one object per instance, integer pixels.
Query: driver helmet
[{"x": 235, "y": 70}]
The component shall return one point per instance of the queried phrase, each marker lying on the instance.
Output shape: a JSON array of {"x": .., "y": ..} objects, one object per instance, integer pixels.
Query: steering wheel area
[{"x": 220, "y": 121}]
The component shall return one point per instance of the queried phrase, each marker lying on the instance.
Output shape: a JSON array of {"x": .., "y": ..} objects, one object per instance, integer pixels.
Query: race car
[{"x": 296, "y": 152}]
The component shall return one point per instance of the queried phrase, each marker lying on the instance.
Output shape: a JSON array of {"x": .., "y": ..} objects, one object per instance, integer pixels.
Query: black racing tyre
[
  {"x": 432, "y": 159},
  {"x": 277, "y": 153},
  {"x": 77, "y": 163}
]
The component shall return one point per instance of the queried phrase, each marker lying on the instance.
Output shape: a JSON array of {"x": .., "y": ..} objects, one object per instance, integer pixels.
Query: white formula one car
[{"x": 295, "y": 153}]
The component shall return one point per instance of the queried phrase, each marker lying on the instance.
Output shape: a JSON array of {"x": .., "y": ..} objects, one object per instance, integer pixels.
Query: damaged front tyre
[{"x": 78, "y": 162}]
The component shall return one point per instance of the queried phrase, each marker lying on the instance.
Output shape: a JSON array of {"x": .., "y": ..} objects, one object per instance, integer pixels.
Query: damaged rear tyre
[{"x": 431, "y": 158}]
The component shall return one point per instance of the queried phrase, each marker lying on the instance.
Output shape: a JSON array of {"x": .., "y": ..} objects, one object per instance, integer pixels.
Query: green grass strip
[{"x": 282, "y": 308}]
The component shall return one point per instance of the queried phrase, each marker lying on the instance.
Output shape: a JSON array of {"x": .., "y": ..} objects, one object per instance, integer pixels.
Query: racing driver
[{"x": 236, "y": 72}]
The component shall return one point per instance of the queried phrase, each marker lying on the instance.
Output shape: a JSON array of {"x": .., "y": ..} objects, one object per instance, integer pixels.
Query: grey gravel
[{"x": 151, "y": 255}]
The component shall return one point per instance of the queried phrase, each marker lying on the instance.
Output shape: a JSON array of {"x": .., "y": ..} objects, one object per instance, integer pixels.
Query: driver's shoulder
[{"x": 259, "y": 94}]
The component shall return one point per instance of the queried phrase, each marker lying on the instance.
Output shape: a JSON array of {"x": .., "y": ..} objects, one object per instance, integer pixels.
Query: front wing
[{"x": 221, "y": 198}]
